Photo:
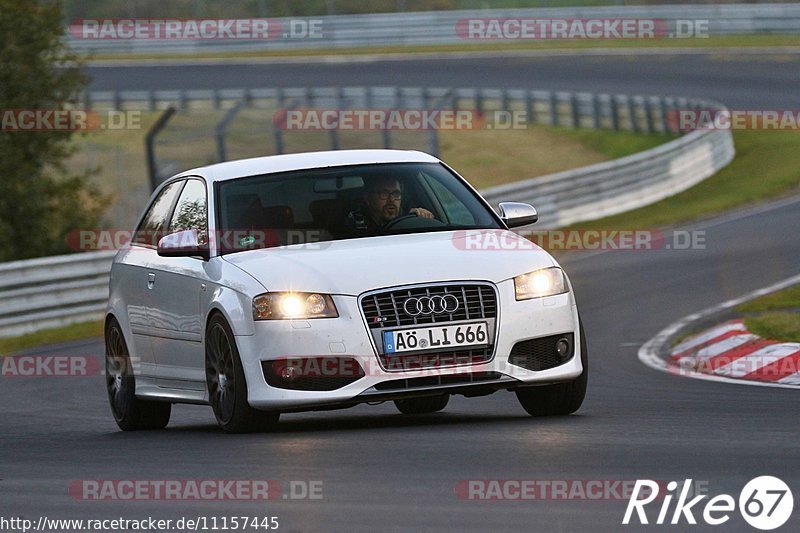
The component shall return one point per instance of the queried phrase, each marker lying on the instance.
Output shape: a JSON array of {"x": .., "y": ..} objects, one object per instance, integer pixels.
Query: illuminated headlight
[
  {"x": 545, "y": 282},
  {"x": 291, "y": 305}
]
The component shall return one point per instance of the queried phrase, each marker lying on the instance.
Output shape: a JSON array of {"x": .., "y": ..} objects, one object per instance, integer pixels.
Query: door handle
[{"x": 151, "y": 280}]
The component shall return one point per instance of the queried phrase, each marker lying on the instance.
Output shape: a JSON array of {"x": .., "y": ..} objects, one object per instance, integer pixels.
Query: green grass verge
[
  {"x": 785, "y": 299},
  {"x": 719, "y": 42},
  {"x": 775, "y": 325},
  {"x": 492, "y": 157},
  {"x": 765, "y": 167},
  {"x": 774, "y": 316},
  {"x": 83, "y": 330}
]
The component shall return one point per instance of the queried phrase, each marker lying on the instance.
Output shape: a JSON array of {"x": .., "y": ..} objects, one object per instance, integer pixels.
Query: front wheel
[
  {"x": 421, "y": 406},
  {"x": 227, "y": 388},
  {"x": 559, "y": 398},
  {"x": 130, "y": 413}
]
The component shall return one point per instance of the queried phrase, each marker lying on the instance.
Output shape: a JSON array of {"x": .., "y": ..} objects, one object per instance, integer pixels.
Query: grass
[
  {"x": 82, "y": 330},
  {"x": 775, "y": 316},
  {"x": 775, "y": 325},
  {"x": 487, "y": 158},
  {"x": 718, "y": 42},
  {"x": 785, "y": 299},
  {"x": 765, "y": 167}
]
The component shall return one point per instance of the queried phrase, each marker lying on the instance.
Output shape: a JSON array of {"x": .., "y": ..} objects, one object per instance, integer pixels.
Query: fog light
[
  {"x": 289, "y": 372},
  {"x": 562, "y": 347}
]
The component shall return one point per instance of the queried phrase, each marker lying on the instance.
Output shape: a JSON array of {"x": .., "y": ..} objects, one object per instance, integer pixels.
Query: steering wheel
[{"x": 395, "y": 221}]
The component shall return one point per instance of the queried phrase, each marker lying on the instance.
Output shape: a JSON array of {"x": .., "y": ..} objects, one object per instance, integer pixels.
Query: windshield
[{"x": 344, "y": 203}]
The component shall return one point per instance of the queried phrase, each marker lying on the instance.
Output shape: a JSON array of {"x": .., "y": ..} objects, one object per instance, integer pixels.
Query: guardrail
[
  {"x": 439, "y": 27},
  {"x": 623, "y": 184},
  {"x": 54, "y": 291}
]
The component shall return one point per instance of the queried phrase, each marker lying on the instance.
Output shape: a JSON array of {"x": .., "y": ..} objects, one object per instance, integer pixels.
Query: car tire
[
  {"x": 130, "y": 412},
  {"x": 421, "y": 406},
  {"x": 560, "y": 398},
  {"x": 226, "y": 384}
]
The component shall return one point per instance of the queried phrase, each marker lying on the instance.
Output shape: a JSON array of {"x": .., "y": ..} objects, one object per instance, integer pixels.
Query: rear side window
[{"x": 154, "y": 223}]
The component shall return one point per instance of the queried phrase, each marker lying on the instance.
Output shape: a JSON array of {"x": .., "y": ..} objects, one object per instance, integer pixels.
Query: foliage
[{"x": 39, "y": 202}]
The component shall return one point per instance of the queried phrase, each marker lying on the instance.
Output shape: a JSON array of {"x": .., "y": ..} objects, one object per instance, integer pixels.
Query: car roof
[{"x": 308, "y": 160}]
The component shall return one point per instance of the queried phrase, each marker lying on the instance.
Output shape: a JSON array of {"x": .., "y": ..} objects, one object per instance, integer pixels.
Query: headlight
[
  {"x": 544, "y": 282},
  {"x": 290, "y": 305}
]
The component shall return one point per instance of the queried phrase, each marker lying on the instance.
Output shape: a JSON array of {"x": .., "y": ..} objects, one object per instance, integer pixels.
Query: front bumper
[{"x": 348, "y": 336}]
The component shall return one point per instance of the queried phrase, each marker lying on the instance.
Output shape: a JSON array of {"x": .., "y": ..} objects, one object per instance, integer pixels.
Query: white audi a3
[{"x": 324, "y": 280}]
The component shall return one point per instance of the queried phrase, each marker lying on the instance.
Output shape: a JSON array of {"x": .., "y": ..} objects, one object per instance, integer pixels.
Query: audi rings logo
[{"x": 431, "y": 305}]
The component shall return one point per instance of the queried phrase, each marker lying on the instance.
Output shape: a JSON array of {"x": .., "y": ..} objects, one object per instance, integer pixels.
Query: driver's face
[{"x": 383, "y": 200}]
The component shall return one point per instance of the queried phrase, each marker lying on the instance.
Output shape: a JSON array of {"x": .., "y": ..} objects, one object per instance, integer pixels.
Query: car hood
[{"x": 354, "y": 266}]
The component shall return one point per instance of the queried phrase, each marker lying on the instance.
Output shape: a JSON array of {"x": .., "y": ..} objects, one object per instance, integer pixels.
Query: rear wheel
[
  {"x": 421, "y": 406},
  {"x": 227, "y": 388},
  {"x": 129, "y": 412},
  {"x": 559, "y": 398}
]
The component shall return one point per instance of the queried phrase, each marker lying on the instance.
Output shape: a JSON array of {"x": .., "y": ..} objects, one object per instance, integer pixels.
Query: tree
[{"x": 39, "y": 202}]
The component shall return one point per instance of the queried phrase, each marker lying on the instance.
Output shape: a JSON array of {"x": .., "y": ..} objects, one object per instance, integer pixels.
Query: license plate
[{"x": 443, "y": 337}]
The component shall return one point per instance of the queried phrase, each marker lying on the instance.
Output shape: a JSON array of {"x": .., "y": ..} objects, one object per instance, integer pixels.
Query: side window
[
  {"x": 154, "y": 223},
  {"x": 190, "y": 211}
]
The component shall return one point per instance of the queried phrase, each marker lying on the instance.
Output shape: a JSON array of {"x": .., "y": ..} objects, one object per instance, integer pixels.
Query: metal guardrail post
[
  {"x": 614, "y": 110},
  {"x": 529, "y": 116},
  {"x": 662, "y": 110},
  {"x": 222, "y": 128},
  {"x": 277, "y": 134},
  {"x": 334, "y": 133},
  {"x": 149, "y": 141},
  {"x": 576, "y": 116},
  {"x": 553, "y": 109},
  {"x": 596, "y": 112},
  {"x": 632, "y": 122},
  {"x": 648, "y": 113}
]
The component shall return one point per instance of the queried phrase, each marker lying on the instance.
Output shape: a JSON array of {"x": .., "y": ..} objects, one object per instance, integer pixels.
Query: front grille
[
  {"x": 540, "y": 354},
  {"x": 385, "y": 309},
  {"x": 435, "y": 381}
]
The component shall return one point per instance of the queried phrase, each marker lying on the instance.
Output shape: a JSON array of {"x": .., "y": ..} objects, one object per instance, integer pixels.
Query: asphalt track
[
  {"x": 382, "y": 471},
  {"x": 736, "y": 79}
]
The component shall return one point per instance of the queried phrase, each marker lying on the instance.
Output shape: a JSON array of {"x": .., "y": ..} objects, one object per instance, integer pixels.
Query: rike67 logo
[{"x": 765, "y": 503}]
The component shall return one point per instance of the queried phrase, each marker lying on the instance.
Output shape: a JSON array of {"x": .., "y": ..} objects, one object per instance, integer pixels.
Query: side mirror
[
  {"x": 184, "y": 243},
  {"x": 516, "y": 214}
]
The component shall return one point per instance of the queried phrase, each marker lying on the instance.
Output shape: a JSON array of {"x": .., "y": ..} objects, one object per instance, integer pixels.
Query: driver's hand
[{"x": 420, "y": 212}]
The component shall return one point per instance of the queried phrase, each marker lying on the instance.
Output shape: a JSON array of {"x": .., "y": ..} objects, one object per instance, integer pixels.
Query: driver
[{"x": 382, "y": 200}]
